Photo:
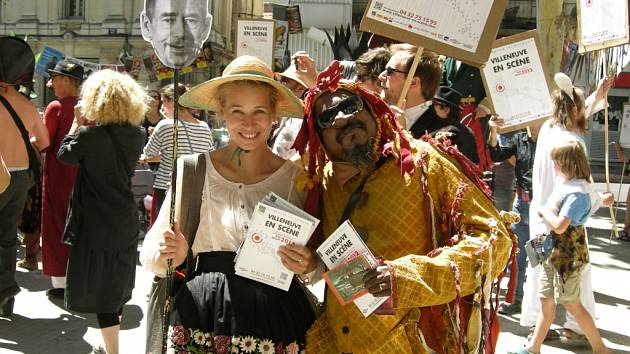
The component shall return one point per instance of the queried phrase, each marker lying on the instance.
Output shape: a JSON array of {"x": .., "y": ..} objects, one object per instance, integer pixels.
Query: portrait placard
[
  {"x": 176, "y": 29},
  {"x": 461, "y": 29},
  {"x": 602, "y": 24},
  {"x": 624, "y": 133},
  {"x": 255, "y": 37},
  {"x": 516, "y": 82}
]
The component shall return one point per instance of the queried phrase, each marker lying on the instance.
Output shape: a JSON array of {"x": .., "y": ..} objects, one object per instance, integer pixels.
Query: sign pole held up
[
  {"x": 401, "y": 100},
  {"x": 611, "y": 70}
]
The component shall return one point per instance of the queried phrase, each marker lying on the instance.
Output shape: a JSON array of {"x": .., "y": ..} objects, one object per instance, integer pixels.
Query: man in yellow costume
[{"x": 442, "y": 241}]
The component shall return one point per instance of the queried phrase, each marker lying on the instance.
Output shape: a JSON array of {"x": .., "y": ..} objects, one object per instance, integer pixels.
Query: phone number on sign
[{"x": 417, "y": 17}]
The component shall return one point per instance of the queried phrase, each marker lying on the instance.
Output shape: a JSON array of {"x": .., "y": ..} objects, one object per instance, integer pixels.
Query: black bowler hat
[
  {"x": 449, "y": 97},
  {"x": 68, "y": 68}
]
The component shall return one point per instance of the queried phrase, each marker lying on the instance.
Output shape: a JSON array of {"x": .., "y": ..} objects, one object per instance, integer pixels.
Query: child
[{"x": 567, "y": 210}]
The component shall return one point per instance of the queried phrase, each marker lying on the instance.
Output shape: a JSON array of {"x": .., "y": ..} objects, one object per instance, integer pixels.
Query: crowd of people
[{"x": 411, "y": 179}]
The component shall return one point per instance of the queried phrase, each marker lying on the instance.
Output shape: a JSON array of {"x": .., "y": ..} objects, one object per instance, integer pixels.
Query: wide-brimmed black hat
[
  {"x": 448, "y": 96},
  {"x": 68, "y": 68},
  {"x": 17, "y": 62}
]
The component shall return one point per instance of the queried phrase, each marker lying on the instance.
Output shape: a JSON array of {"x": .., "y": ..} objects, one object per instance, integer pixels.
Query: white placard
[
  {"x": 624, "y": 134},
  {"x": 255, "y": 37},
  {"x": 516, "y": 82},
  {"x": 602, "y": 23},
  {"x": 458, "y": 23}
]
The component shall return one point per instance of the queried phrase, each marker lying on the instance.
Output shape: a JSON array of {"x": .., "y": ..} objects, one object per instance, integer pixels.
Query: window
[{"x": 73, "y": 8}]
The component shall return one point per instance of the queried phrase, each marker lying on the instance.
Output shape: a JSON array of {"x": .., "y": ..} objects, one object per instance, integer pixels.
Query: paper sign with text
[
  {"x": 256, "y": 37},
  {"x": 602, "y": 24},
  {"x": 461, "y": 29},
  {"x": 516, "y": 82}
]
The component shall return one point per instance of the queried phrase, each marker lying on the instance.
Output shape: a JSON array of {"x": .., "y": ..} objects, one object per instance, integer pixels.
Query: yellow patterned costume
[{"x": 399, "y": 229}]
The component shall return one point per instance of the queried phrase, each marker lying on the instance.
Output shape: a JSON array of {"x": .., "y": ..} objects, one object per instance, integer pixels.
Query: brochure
[
  {"x": 274, "y": 222},
  {"x": 344, "y": 245}
]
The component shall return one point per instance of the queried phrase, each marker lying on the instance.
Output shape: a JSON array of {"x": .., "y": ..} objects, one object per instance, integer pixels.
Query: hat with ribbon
[
  {"x": 17, "y": 62},
  {"x": 68, "y": 68},
  {"x": 205, "y": 96}
]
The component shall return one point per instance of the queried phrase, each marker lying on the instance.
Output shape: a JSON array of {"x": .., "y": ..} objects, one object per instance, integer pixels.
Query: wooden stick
[
  {"x": 607, "y": 155},
  {"x": 623, "y": 169},
  {"x": 403, "y": 95}
]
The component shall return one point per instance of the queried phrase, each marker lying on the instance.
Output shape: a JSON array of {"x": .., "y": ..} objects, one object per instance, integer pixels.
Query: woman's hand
[
  {"x": 298, "y": 259},
  {"x": 174, "y": 246},
  {"x": 305, "y": 64},
  {"x": 78, "y": 116},
  {"x": 495, "y": 123},
  {"x": 608, "y": 199}
]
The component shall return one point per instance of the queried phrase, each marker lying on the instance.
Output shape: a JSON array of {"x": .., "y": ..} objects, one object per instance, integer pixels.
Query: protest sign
[
  {"x": 602, "y": 24},
  {"x": 48, "y": 58},
  {"x": 461, "y": 29},
  {"x": 515, "y": 80},
  {"x": 176, "y": 29},
  {"x": 294, "y": 19},
  {"x": 255, "y": 37}
]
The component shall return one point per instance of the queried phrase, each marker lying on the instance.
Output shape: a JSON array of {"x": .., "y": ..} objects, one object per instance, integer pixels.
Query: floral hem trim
[{"x": 185, "y": 340}]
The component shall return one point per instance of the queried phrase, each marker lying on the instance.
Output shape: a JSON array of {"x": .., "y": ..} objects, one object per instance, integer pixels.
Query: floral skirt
[{"x": 218, "y": 311}]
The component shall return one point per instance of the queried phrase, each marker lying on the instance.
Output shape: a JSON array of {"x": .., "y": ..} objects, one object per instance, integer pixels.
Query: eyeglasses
[
  {"x": 389, "y": 70},
  {"x": 347, "y": 106}
]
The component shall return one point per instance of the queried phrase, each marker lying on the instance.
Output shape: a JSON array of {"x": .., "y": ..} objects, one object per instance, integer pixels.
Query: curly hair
[{"x": 109, "y": 97}]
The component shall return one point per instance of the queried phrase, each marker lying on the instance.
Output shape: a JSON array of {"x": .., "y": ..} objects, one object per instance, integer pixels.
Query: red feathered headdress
[{"x": 391, "y": 138}]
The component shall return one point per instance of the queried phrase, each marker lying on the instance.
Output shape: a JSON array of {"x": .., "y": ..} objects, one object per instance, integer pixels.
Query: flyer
[
  {"x": 275, "y": 222},
  {"x": 516, "y": 82},
  {"x": 345, "y": 244}
]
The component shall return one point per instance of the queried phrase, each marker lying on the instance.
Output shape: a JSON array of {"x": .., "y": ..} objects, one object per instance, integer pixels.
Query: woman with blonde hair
[
  {"x": 216, "y": 310},
  {"x": 102, "y": 224}
]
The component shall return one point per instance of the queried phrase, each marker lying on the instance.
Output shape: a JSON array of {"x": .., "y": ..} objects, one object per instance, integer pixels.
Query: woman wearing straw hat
[{"x": 218, "y": 310}]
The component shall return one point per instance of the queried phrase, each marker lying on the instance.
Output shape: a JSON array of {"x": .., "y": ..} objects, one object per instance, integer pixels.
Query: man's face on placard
[{"x": 176, "y": 29}]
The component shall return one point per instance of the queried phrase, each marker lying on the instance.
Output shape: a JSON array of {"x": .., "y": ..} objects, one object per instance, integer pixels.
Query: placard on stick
[
  {"x": 256, "y": 37},
  {"x": 461, "y": 29},
  {"x": 602, "y": 24},
  {"x": 516, "y": 81}
]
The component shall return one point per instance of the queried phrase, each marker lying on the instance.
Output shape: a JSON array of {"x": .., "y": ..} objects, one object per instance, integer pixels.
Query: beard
[{"x": 361, "y": 155}]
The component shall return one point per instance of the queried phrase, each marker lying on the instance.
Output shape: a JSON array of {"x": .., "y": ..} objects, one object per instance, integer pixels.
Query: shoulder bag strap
[
  {"x": 193, "y": 178},
  {"x": 33, "y": 162},
  {"x": 356, "y": 195}
]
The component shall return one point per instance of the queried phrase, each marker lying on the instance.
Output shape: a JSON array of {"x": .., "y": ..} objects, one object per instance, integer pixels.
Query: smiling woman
[{"x": 245, "y": 313}]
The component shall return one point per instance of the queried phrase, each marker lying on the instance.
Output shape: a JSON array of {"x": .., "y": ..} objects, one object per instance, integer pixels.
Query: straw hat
[
  {"x": 204, "y": 96},
  {"x": 300, "y": 76}
]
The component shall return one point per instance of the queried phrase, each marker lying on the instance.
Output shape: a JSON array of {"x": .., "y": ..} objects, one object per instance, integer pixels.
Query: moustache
[{"x": 345, "y": 130}]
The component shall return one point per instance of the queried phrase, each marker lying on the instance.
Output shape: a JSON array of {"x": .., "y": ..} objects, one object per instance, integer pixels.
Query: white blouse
[{"x": 226, "y": 208}]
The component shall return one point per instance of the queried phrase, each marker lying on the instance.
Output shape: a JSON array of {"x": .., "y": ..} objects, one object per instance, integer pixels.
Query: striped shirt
[{"x": 191, "y": 138}]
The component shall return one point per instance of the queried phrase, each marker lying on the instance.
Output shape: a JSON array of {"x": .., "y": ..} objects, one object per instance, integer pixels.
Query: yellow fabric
[{"x": 399, "y": 230}]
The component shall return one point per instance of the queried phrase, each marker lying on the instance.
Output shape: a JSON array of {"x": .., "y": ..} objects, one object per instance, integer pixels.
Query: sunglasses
[
  {"x": 389, "y": 70},
  {"x": 347, "y": 106}
]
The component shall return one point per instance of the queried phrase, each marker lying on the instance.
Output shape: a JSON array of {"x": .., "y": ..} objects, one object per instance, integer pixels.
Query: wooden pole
[
  {"x": 169, "y": 263},
  {"x": 403, "y": 95},
  {"x": 606, "y": 152}
]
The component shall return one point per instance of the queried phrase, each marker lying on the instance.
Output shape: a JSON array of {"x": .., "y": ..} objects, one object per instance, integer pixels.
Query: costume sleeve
[
  {"x": 421, "y": 280},
  {"x": 73, "y": 147},
  {"x": 154, "y": 146},
  {"x": 52, "y": 115}
]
